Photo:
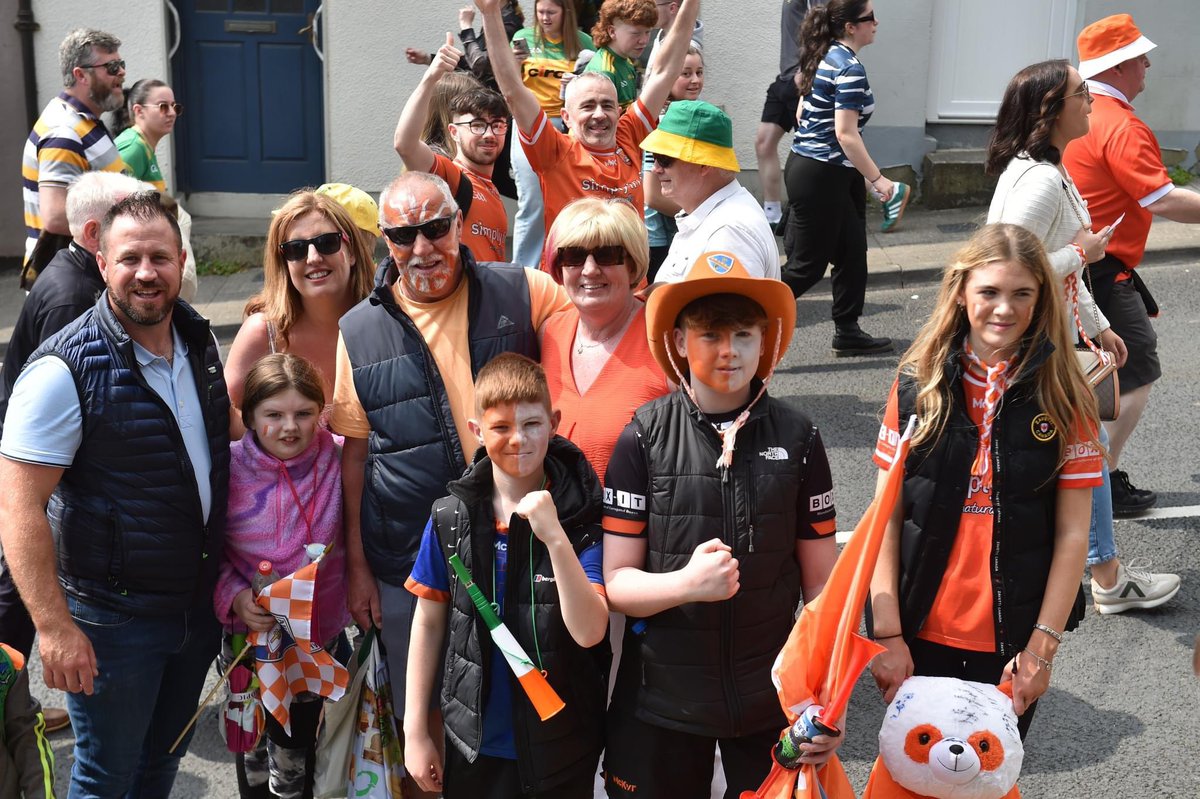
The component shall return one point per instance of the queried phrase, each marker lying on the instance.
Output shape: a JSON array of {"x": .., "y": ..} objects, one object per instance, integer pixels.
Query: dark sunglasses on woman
[
  {"x": 432, "y": 230},
  {"x": 575, "y": 257},
  {"x": 326, "y": 244}
]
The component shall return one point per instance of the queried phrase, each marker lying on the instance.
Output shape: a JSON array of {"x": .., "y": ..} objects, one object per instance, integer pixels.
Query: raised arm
[
  {"x": 416, "y": 154},
  {"x": 668, "y": 58},
  {"x": 521, "y": 101}
]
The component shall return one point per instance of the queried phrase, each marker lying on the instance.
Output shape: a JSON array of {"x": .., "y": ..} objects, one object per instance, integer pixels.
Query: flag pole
[{"x": 208, "y": 698}]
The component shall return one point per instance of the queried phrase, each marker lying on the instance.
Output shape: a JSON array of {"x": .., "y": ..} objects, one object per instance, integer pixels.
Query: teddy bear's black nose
[{"x": 956, "y": 749}]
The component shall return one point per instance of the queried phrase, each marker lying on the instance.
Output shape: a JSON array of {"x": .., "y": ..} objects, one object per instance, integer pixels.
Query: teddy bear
[{"x": 949, "y": 739}]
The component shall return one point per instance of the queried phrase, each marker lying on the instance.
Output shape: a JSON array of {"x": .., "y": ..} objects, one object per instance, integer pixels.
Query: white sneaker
[{"x": 1136, "y": 587}]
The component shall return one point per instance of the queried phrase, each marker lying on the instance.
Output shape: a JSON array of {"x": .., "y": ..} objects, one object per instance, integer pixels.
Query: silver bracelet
[
  {"x": 1057, "y": 636},
  {"x": 1043, "y": 664}
]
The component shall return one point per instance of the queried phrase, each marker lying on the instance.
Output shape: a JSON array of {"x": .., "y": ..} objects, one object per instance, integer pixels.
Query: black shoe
[
  {"x": 853, "y": 341},
  {"x": 1127, "y": 499}
]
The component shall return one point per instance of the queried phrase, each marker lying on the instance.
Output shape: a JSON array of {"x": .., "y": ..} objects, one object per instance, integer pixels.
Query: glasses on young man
[
  {"x": 111, "y": 67},
  {"x": 576, "y": 257},
  {"x": 868, "y": 18},
  {"x": 481, "y": 126},
  {"x": 432, "y": 230},
  {"x": 326, "y": 244},
  {"x": 164, "y": 107}
]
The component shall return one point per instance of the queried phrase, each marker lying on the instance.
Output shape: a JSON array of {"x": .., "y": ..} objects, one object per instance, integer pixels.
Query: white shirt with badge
[{"x": 730, "y": 220}]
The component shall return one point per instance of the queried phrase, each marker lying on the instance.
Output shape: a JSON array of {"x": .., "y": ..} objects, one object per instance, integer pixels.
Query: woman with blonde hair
[
  {"x": 315, "y": 268},
  {"x": 978, "y": 576},
  {"x": 595, "y": 354}
]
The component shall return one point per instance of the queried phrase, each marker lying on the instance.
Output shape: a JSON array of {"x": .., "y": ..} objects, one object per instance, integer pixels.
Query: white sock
[{"x": 774, "y": 212}]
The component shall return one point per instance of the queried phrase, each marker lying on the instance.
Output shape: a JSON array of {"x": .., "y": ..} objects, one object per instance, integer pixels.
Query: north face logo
[
  {"x": 774, "y": 454},
  {"x": 504, "y": 322}
]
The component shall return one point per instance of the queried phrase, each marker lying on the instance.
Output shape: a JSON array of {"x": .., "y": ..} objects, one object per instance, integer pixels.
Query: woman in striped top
[{"x": 828, "y": 164}]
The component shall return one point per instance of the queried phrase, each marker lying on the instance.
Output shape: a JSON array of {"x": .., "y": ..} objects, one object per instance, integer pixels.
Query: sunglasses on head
[
  {"x": 326, "y": 244},
  {"x": 111, "y": 67},
  {"x": 575, "y": 257},
  {"x": 164, "y": 107},
  {"x": 432, "y": 230},
  {"x": 665, "y": 161}
]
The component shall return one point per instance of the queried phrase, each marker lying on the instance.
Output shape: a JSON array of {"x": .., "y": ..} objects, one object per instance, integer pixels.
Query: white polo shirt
[{"x": 730, "y": 220}]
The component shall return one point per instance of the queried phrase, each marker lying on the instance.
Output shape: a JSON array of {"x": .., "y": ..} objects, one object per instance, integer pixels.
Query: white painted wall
[{"x": 143, "y": 26}]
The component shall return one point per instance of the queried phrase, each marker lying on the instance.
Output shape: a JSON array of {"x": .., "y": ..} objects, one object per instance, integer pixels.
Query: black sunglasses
[
  {"x": 111, "y": 67},
  {"x": 868, "y": 18},
  {"x": 432, "y": 230},
  {"x": 326, "y": 244},
  {"x": 665, "y": 161},
  {"x": 575, "y": 257}
]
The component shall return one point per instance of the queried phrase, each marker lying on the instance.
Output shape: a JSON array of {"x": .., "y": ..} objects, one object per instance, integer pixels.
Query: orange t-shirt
[
  {"x": 1115, "y": 166},
  {"x": 568, "y": 170},
  {"x": 961, "y": 615},
  {"x": 630, "y": 379},
  {"x": 444, "y": 326},
  {"x": 485, "y": 226}
]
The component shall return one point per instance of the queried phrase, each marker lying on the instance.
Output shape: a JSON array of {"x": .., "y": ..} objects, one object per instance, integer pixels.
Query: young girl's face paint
[
  {"x": 690, "y": 82},
  {"x": 999, "y": 298},
  {"x": 285, "y": 423}
]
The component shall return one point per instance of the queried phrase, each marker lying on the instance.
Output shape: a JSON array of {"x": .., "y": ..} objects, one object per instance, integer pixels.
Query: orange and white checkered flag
[{"x": 289, "y": 662}]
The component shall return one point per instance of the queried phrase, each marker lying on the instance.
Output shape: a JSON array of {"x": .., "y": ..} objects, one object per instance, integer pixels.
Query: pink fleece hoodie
[{"x": 266, "y": 523}]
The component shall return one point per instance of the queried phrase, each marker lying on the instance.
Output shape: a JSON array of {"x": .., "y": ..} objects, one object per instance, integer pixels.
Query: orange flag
[{"x": 824, "y": 654}]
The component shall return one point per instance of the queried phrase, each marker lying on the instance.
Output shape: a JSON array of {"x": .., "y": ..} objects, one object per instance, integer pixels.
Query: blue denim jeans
[
  {"x": 1102, "y": 545},
  {"x": 152, "y": 670},
  {"x": 529, "y": 228}
]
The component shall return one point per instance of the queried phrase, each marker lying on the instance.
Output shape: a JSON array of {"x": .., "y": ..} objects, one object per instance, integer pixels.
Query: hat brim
[
  {"x": 1094, "y": 66},
  {"x": 693, "y": 151},
  {"x": 665, "y": 303}
]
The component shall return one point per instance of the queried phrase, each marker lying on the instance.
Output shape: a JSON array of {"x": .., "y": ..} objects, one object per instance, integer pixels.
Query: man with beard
[
  {"x": 601, "y": 155},
  {"x": 406, "y": 363},
  {"x": 478, "y": 126},
  {"x": 115, "y": 467},
  {"x": 69, "y": 138}
]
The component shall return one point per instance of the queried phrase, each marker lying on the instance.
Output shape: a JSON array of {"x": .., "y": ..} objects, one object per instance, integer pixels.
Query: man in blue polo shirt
[{"x": 116, "y": 470}]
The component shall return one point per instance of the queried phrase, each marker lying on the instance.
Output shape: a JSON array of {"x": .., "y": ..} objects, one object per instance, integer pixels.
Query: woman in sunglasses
[
  {"x": 595, "y": 354},
  {"x": 148, "y": 115},
  {"x": 315, "y": 268}
]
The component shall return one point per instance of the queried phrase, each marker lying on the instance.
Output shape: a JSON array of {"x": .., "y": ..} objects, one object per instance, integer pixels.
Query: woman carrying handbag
[{"x": 1046, "y": 106}]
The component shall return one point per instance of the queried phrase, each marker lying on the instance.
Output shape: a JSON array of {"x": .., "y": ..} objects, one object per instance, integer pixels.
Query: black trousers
[
  {"x": 16, "y": 626},
  {"x": 937, "y": 660},
  {"x": 827, "y": 213},
  {"x": 498, "y": 778}
]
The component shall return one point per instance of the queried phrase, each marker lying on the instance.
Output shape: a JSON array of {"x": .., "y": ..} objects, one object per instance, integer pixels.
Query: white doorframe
[{"x": 978, "y": 45}]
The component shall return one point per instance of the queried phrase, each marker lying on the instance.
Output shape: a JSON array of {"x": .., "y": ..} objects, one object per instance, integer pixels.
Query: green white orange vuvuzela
[{"x": 543, "y": 696}]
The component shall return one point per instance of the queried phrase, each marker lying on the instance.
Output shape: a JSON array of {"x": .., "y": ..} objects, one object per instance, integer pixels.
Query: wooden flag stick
[{"x": 208, "y": 698}]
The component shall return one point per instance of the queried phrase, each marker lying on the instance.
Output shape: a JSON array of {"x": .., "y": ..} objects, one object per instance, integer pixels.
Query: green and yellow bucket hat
[{"x": 696, "y": 132}]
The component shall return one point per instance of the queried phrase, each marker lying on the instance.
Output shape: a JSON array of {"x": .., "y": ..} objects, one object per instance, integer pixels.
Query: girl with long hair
[
  {"x": 978, "y": 575},
  {"x": 827, "y": 167},
  {"x": 315, "y": 268},
  {"x": 1045, "y": 107}
]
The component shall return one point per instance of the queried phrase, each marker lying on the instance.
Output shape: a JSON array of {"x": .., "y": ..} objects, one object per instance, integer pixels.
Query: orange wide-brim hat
[
  {"x": 719, "y": 273},
  {"x": 1108, "y": 42}
]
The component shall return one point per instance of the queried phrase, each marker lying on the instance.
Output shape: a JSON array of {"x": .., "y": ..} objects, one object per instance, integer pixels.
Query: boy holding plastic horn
[{"x": 525, "y": 678}]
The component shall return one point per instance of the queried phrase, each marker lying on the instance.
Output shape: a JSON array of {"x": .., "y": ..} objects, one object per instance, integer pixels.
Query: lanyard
[{"x": 309, "y": 514}]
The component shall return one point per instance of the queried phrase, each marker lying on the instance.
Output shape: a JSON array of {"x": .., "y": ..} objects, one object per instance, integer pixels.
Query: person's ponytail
[{"x": 815, "y": 36}]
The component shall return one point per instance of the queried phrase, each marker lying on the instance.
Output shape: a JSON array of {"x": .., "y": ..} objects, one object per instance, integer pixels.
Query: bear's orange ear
[
  {"x": 1006, "y": 688},
  {"x": 919, "y": 741}
]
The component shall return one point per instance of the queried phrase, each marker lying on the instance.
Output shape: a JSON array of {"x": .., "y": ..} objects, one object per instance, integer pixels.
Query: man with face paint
[
  {"x": 600, "y": 155},
  {"x": 115, "y": 463},
  {"x": 69, "y": 138},
  {"x": 406, "y": 364},
  {"x": 478, "y": 126}
]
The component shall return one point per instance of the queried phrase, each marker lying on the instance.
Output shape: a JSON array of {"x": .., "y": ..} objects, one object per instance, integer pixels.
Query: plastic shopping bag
[
  {"x": 358, "y": 749},
  {"x": 243, "y": 716}
]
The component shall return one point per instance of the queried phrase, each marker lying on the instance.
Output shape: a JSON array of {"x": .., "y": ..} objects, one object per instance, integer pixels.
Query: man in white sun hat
[{"x": 1118, "y": 169}]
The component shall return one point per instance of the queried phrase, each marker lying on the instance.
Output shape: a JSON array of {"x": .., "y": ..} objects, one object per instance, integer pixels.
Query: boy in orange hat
[{"x": 718, "y": 515}]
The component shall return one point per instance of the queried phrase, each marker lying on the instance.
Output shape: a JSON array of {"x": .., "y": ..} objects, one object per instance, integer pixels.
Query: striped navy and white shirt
[{"x": 839, "y": 85}]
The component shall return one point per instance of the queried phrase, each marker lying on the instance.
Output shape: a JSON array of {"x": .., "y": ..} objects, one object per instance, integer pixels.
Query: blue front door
[{"x": 250, "y": 82}]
